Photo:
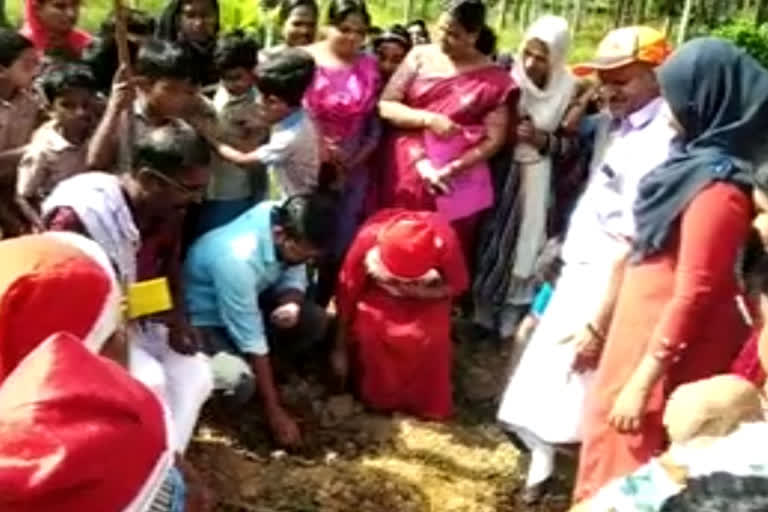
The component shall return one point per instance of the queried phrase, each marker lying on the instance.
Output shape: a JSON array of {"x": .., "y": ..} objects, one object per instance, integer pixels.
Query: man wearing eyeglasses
[
  {"x": 244, "y": 286},
  {"x": 128, "y": 215}
]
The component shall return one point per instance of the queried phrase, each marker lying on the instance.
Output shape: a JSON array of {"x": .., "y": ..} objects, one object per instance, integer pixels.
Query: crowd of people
[{"x": 183, "y": 221}]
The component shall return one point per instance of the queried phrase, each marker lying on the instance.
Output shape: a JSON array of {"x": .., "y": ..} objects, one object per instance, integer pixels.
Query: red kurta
[
  {"x": 679, "y": 305},
  {"x": 402, "y": 346}
]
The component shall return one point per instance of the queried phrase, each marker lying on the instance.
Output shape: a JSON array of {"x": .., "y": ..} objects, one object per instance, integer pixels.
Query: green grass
[{"x": 245, "y": 13}]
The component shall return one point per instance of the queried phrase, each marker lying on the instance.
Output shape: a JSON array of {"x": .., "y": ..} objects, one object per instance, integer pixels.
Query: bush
[{"x": 745, "y": 34}]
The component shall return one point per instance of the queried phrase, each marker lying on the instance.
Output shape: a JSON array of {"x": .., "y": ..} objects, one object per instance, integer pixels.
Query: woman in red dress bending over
[{"x": 394, "y": 300}]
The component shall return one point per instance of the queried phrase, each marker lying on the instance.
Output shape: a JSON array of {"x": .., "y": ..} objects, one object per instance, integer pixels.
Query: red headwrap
[{"x": 33, "y": 30}]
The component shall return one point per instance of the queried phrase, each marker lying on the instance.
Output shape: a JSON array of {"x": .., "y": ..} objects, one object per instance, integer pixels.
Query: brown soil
[{"x": 356, "y": 461}]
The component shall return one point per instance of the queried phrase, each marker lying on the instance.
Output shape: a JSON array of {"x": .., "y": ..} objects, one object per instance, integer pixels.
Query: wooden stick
[{"x": 121, "y": 35}]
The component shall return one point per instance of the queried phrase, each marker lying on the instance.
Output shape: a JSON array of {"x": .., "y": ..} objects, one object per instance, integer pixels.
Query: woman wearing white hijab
[{"x": 517, "y": 231}]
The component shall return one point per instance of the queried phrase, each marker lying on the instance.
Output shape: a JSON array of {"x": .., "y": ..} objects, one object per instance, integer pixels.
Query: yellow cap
[{"x": 627, "y": 45}]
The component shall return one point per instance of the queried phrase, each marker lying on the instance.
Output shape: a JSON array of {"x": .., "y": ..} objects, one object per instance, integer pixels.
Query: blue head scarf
[{"x": 719, "y": 95}]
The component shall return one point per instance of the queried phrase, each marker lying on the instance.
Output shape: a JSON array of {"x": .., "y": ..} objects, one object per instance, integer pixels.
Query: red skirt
[{"x": 404, "y": 354}]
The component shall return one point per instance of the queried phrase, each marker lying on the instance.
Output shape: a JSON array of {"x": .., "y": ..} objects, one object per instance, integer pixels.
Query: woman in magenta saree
[{"x": 448, "y": 105}]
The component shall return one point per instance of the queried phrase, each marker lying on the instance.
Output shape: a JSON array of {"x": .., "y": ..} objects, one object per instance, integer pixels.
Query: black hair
[
  {"x": 168, "y": 26},
  {"x": 470, "y": 14},
  {"x": 12, "y": 44},
  {"x": 137, "y": 22},
  {"x": 419, "y": 23},
  {"x": 338, "y": 10},
  {"x": 158, "y": 59},
  {"x": 308, "y": 217},
  {"x": 171, "y": 149},
  {"x": 486, "y": 41},
  {"x": 286, "y": 75},
  {"x": 754, "y": 264},
  {"x": 721, "y": 492},
  {"x": 235, "y": 50},
  {"x": 67, "y": 76},
  {"x": 394, "y": 34},
  {"x": 287, "y": 7}
]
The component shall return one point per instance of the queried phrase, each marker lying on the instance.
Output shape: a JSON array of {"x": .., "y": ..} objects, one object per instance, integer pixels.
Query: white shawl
[
  {"x": 546, "y": 108},
  {"x": 97, "y": 199}
]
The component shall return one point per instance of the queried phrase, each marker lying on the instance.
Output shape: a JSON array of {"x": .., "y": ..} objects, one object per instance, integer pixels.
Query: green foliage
[{"x": 745, "y": 34}]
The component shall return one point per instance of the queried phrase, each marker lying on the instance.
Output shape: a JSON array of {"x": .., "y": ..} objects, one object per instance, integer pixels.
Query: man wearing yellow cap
[{"x": 631, "y": 139}]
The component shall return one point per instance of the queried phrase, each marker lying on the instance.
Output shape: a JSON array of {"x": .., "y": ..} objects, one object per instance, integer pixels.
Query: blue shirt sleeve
[{"x": 236, "y": 286}]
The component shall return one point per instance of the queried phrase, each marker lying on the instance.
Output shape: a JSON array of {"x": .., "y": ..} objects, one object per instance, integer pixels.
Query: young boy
[
  {"x": 235, "y": 188},
  {"x": 163, "y": 90},
  {"x": 20, "y": 113},
  {"x": 58, "y": 147},
  {"x": 293, "y": 152}
]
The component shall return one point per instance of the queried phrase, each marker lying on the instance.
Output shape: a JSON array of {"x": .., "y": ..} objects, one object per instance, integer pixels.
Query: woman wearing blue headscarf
[{"x": 680, "y": 316}]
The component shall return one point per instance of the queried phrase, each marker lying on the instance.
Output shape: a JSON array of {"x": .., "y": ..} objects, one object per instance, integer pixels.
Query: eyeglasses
[{"x": 184, "y": 189}]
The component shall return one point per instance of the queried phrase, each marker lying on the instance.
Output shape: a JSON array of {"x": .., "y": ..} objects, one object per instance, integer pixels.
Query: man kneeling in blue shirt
[{"x": 244, "y": 286}]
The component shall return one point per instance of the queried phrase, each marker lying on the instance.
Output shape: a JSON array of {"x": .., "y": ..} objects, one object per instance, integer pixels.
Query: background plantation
[{"x": 739, "y": 20}]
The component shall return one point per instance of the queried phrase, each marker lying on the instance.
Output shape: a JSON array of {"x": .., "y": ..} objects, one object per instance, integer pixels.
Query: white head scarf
[{"x": 547, "y": 106}]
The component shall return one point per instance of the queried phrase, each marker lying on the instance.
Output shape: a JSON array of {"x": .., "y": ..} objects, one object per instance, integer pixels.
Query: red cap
[
  {"x": 409, "y": 247},
  {"x": 77, "y": 434},
  {"x": 51, "y": 283}
]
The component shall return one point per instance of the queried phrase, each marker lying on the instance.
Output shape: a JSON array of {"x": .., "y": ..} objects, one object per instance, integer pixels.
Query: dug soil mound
[{"x": 356, "y": 461}]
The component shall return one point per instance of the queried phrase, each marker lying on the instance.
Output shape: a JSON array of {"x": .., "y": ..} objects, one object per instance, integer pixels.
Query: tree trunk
[
  {"x": 619, "y": 15},
  {"x": 684, "y": 22},
  {"x": 641, "y": 13},
  {"x": 667, "y": 25},
  {"x": 502, "y": 21},
  {"x": 578, "y": 5},
  {"x": 408, "y": 12},
  {"x": 761, "y": 14}
]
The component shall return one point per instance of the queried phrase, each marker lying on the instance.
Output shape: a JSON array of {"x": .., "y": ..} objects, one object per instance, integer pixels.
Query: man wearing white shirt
[{"x": 543, "y": 402}]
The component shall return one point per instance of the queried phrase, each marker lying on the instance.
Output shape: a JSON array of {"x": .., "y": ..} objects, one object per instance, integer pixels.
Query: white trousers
[
  {"x": 543, "y": 402},
  {"x": 183, "y": 383}
]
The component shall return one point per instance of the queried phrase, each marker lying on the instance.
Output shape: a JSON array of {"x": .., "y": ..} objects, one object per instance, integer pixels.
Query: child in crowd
[
  {"x": 163, "y": 90},
  {"x": 101, "y": 55},
  {"x": 20, "y": 113},
  {"x": 418, "y": 32},
  {"x": 194, "y": 24},
  {"x": 233, "y": 188},
  {"x": 50, "y": 25},
  {"x": 548, "y": 269},
  {"x": 391, "y": 47},
  {"x": 298, "y": 26},
  {"x": 293, "y": 152},
  {"x": 58, "y": 147}
]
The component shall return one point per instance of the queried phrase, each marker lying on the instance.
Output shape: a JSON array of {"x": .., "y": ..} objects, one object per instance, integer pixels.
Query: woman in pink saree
[{"x": 448, "y": 103}]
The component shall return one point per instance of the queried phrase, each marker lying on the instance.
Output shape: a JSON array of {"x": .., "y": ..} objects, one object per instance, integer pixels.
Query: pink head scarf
[{"x": 33, "y": 30}]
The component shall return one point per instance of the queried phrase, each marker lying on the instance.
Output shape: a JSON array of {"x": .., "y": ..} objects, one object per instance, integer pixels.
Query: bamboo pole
[{"x": 121, "y": 35}]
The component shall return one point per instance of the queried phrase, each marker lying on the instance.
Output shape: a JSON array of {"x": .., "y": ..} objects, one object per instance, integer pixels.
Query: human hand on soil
[
  {"x": 628, "y": 409},
  {"x": 286, "y": 316},
  {"x": 284, "y": 428}
]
